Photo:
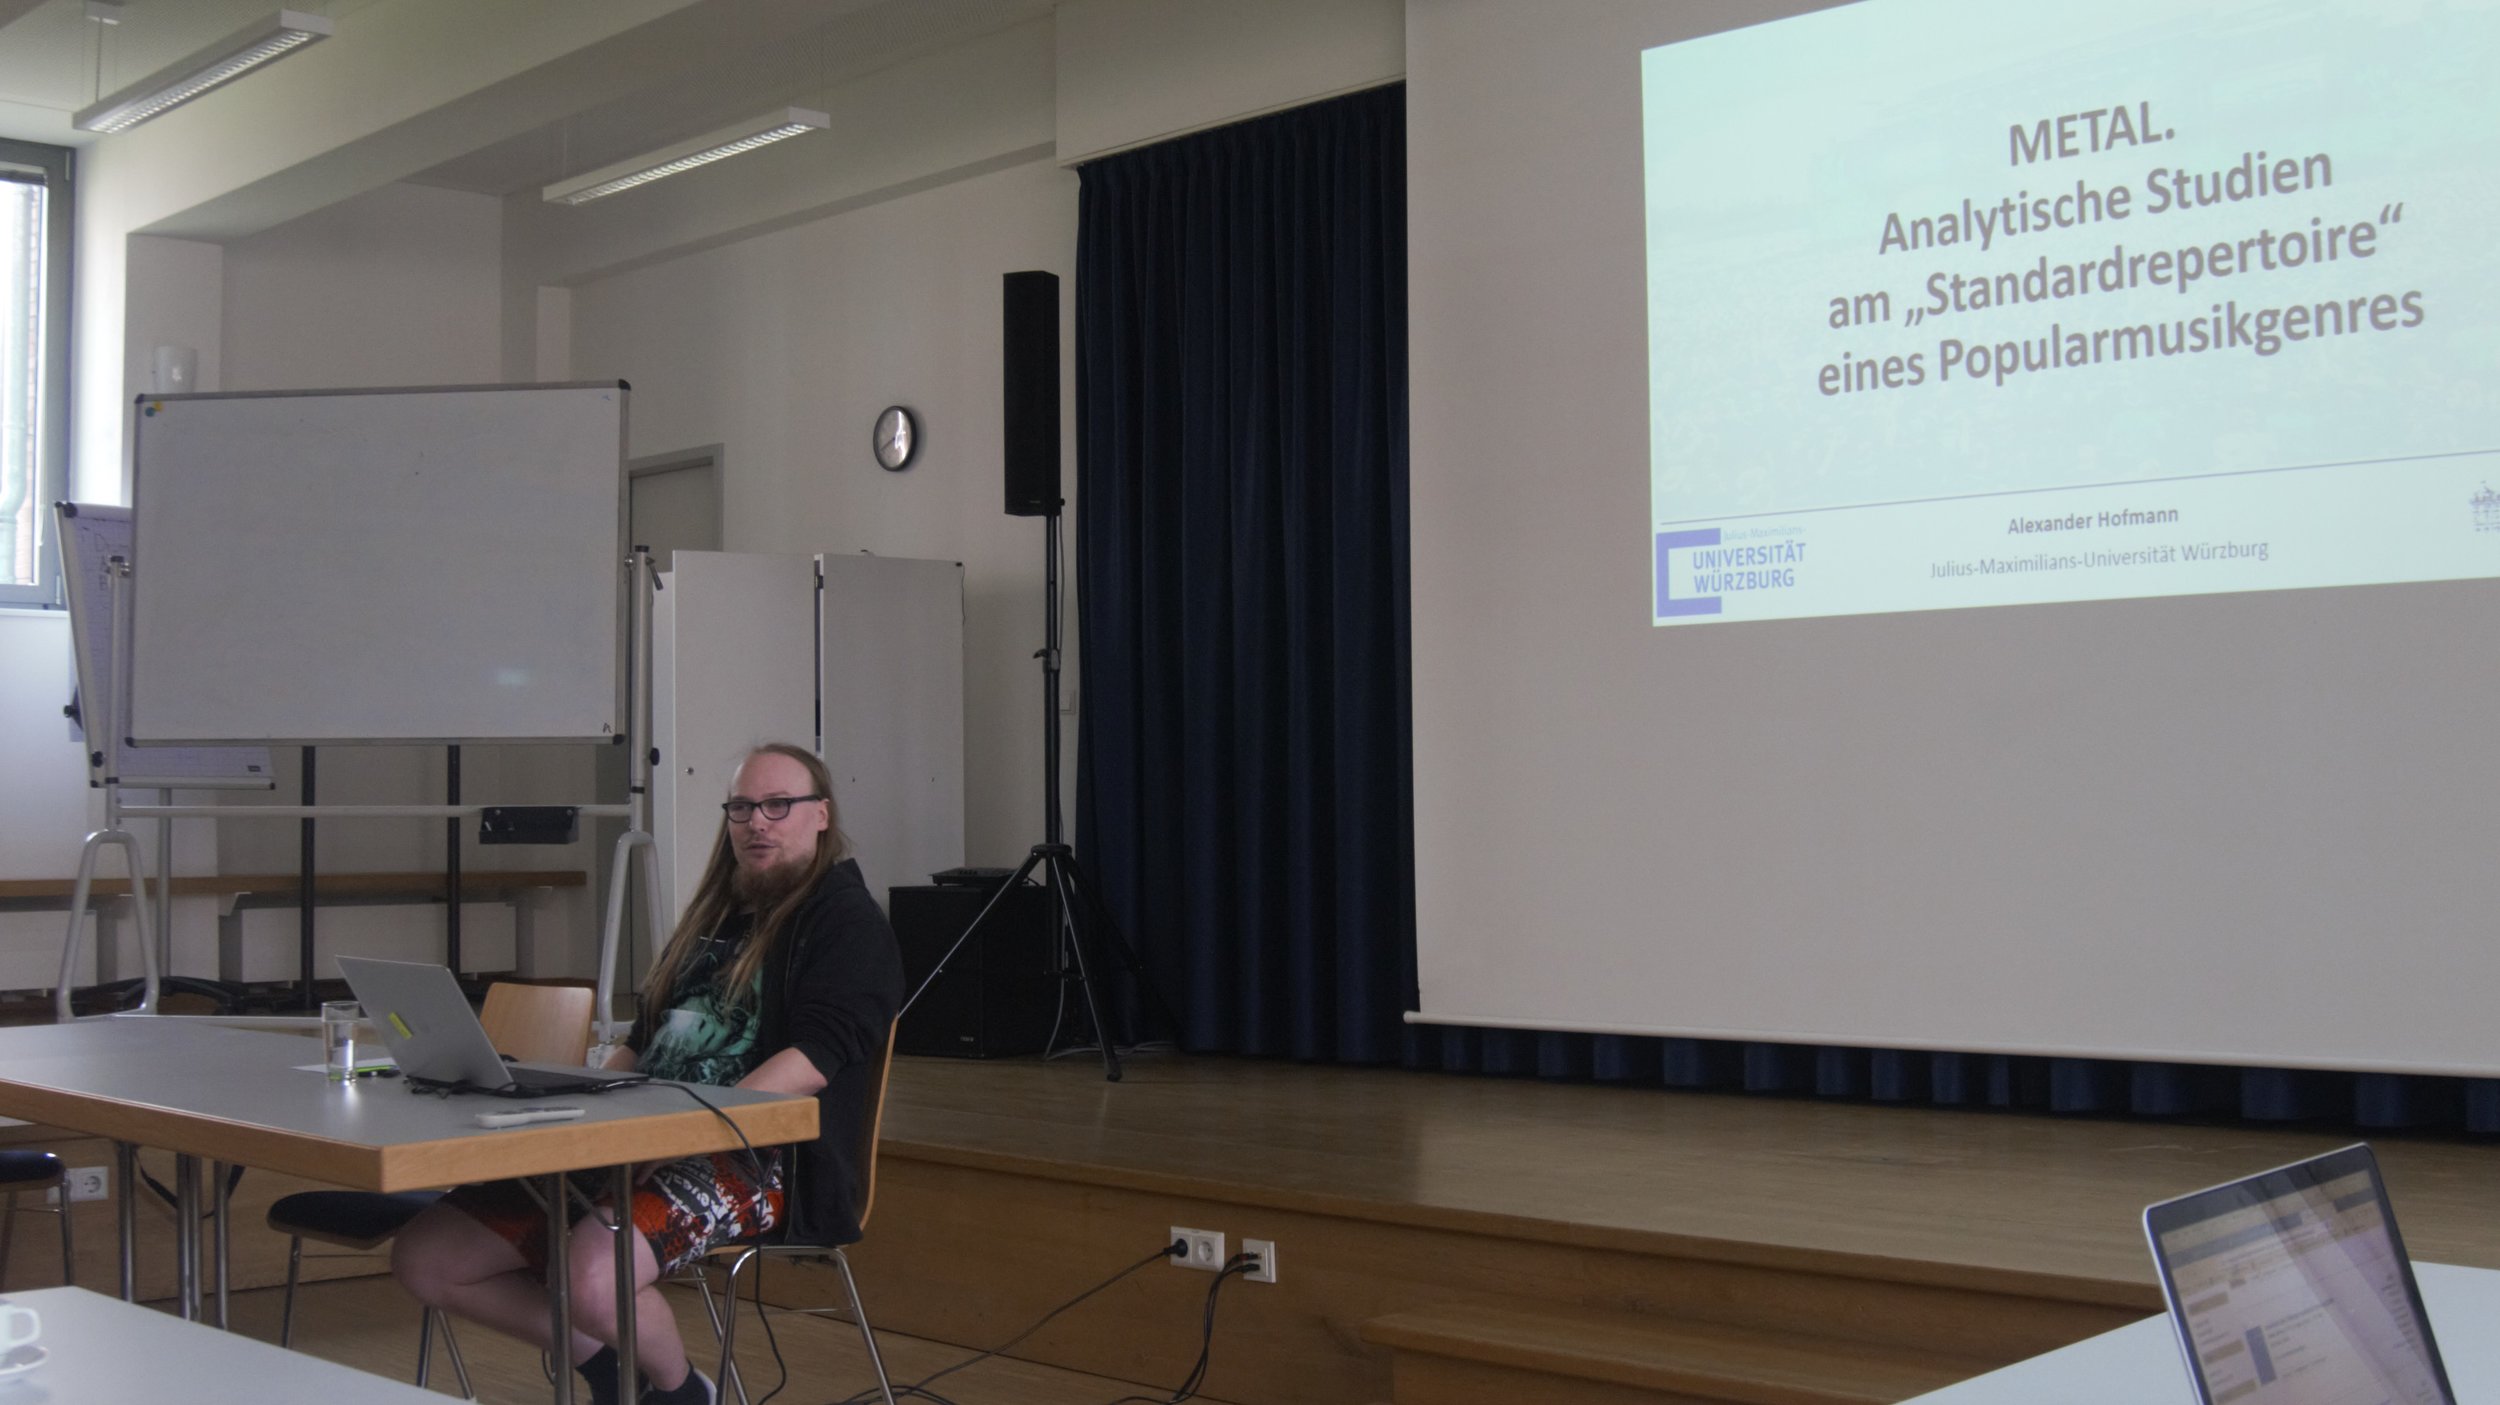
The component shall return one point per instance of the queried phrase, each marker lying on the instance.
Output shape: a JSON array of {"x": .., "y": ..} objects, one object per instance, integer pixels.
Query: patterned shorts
[{"x": 685, "y": 1208}]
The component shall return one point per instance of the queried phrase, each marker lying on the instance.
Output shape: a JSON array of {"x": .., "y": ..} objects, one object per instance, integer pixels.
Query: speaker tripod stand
[{"x": 1082, "y": 930}]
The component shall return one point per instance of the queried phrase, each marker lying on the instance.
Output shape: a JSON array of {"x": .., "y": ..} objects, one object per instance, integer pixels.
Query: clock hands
[{"x": 894, "y": 437}]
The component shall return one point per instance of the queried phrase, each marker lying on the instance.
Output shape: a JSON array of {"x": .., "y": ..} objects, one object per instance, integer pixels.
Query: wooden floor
[
  {"x": 1445, "y": 1240},
  {"x": 1965, "y": 1192},
  {"x": 368, "y": 1323}
]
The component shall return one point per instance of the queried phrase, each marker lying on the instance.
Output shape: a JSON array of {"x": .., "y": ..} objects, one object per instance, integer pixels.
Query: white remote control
[{"x": 524, "y": 1116}]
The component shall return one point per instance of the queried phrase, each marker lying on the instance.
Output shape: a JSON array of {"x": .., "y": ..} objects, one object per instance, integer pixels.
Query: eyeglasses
[{"x": 776, "y": 808}]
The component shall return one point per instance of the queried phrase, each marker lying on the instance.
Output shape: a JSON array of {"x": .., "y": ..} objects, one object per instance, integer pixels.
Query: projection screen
[{"x": 2061, "y": 615}]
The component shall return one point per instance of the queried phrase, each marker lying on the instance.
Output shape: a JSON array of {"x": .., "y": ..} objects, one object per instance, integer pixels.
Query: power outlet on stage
[
  {"x": 1206, "y": 1248},
  {"x": 88, "y": 1183},
  {"x": 1264, "y": 1251}
]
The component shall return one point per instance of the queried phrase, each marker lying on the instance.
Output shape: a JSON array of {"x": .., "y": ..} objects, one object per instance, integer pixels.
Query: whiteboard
[
  {"x": 91, "y": 536},
  {"x": 379, "y": 565}
]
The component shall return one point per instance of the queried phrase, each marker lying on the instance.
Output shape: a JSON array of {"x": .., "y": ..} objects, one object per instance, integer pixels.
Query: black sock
[
  {"x": 690, "y": 1391},
  {"x": 600, "y": 1372}
]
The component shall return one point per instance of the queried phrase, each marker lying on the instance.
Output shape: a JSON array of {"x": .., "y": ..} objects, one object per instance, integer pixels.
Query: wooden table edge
[{"x": 414, "y": 1165}]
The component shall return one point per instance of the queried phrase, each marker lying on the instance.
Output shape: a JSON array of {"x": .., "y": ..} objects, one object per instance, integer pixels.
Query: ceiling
[
  {"x": 730, "y": 83},
  {"x": 54, "y": 61}
]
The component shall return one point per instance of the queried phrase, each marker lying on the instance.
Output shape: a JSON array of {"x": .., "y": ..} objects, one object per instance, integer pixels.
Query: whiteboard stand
[
  {"x": 642, "y": 585},
  {"x": 630, "y": 843},
  {"x": 112, "y": 834}
]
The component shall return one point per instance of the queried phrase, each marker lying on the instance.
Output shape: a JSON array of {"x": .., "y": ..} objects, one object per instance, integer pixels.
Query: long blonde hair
[{"x": 714, "y": 898}]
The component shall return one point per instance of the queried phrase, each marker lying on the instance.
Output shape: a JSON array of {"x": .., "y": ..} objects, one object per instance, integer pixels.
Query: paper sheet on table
[{"x": 363, "y": 1066}]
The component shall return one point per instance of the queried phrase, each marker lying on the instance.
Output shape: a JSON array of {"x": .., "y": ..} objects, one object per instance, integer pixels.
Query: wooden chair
[
  {"x": 534, "y": 1023},
  {"x": 742, "y": 1253},
  {"x": 33, "y": 1173},
  {"x": 540, "y": 1024}
]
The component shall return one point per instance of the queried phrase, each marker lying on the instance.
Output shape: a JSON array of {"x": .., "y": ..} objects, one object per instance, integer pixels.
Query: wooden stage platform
[{"x": 1456, "y": 1240}]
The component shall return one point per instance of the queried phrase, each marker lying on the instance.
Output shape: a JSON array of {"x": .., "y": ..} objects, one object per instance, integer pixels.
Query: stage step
[{"x": 1477, "y": 1353}]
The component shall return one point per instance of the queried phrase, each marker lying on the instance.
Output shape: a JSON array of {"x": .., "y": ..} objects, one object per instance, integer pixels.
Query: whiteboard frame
[{"x": 188, "y": 693}]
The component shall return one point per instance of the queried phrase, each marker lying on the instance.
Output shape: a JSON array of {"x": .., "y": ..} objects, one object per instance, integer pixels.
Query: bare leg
[
  {"x": 446, "y": 1259},
  {"x": 450, "y": 1261},
  {"x": 658, "y": 1350}
]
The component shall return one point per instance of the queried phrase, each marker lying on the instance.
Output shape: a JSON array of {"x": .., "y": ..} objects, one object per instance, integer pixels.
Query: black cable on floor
[
  {"x": 919, "y": 1389},
  {"x": 771, "y": 1340},
  {"x": 1197, "y": 1378}
]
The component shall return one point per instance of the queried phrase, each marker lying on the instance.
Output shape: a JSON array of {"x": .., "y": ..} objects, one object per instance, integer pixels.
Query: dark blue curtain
[
  {"x": 1242, "y": 756},
  {"x": 1243, "y": 766}
]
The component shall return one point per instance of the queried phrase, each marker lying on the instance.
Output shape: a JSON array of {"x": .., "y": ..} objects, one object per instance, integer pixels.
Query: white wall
[
  {"x": 177, "y": 299},
  {"x": 783, "y": 348},
  {"x": 397, "y": 287}
]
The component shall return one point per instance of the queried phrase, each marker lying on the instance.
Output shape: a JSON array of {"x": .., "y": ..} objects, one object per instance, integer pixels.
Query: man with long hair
[{"x": 782, "y": 976}]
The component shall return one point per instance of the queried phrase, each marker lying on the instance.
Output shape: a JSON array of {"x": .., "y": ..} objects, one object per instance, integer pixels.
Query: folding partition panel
[
  {"x": 737, "y": 643},
  {"x": 733, "y": 665},
  {"x": 893, "y": 692}
]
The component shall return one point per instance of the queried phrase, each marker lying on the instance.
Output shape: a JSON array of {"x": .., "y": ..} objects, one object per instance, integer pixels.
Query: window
[{"x": 34, "y": 365}]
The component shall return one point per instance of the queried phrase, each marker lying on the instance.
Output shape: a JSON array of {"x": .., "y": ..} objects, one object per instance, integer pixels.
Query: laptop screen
[{"x": 2292, "y": 1288}]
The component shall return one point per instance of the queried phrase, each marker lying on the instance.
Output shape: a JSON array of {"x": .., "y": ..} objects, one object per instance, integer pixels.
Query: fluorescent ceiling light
[
  {"x": 184, "y": 79},
  {"x": 686, "y": 155}
]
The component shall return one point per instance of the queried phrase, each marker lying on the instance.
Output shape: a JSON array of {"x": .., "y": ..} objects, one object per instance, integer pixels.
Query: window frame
[{"x": 55, "y": 168}]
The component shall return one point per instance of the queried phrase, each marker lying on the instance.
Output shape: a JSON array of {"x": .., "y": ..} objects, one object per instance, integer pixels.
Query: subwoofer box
[{"x": 999, "y": 996}]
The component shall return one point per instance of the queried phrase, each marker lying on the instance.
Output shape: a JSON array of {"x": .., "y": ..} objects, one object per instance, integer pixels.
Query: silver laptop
[
  {"x": 420, "y": 1012},
  {"x": 2292, "y": 1287}
]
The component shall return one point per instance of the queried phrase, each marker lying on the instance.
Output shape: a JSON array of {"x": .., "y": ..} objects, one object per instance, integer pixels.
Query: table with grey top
[
  {"x": 96, "y": 1348},
  {"x": 207, "y": 1092},
  {"x": 2139, "y": 1364}
]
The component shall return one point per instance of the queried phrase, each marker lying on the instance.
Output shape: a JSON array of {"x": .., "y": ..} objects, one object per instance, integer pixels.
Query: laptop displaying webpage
[{"x": 2300, "y": 1296}]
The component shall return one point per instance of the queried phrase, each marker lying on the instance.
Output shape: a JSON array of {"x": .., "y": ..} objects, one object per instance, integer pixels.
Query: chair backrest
[
  {"x": 875, "y": 1120},
  {"x": 546, "y": 1024}
]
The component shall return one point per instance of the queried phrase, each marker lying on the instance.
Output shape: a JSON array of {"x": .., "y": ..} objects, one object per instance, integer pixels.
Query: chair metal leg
[
  {"x": 729, "y": 1378},
  {"x": 126, "y": 1216},
  {"x": 69, "y": 1254},
  {"x": 286, "y": 1305},
  {"x": 711, "y": 1309},
  {"x": 222, "y": 1245},
  {"x": 729, "y": 1329},
  {"x": 451, "y": 1348},
  {"x": 425, "y": 1346},
  {"x": 859, "y": 1314}
]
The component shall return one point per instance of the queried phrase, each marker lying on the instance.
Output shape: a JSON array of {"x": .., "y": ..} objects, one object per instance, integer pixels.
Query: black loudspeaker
[
  {"x": 1031, "y": 339},
  {"x": 998, "y": 996}
]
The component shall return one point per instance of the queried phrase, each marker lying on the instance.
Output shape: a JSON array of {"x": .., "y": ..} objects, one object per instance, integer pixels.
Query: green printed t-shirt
[{"x": 706, "y": 1037}]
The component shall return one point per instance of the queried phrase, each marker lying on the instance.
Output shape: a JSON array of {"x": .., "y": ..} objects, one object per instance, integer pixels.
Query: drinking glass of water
[{"x": 339, "y": 1019}]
